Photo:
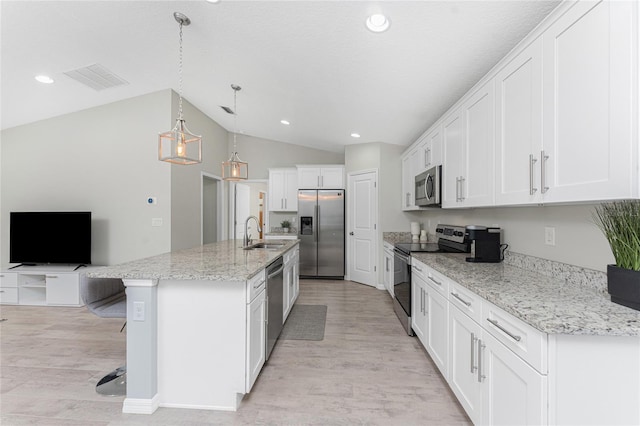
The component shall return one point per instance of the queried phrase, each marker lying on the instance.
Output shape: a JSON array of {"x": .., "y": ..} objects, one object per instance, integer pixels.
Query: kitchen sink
[{"x": 264, "y": 246}]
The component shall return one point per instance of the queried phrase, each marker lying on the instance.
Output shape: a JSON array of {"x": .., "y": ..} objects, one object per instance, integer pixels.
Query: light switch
[{"x": 156, "y": 221}]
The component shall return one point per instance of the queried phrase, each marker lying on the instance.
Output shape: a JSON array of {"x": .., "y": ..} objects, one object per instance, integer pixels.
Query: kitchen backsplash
[{"x": 589, "y": 278}]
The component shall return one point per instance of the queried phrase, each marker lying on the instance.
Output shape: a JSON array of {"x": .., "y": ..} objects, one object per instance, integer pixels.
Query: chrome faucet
[{"x": 247, "y": 239}]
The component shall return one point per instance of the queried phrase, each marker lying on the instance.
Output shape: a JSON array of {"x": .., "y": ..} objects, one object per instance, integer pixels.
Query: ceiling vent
[{"x": 97, "y": 77}]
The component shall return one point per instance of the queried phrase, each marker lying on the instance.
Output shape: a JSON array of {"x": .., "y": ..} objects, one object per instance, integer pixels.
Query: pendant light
[
  {"x": 179, "y": 145},
  {"x": 234, "y": 168}
]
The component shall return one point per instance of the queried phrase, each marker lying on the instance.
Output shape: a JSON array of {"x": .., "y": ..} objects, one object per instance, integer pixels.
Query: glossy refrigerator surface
[{"x": 321, "y": 233}]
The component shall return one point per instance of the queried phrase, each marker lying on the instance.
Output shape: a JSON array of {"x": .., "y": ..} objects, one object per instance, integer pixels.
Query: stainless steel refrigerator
[{"x": 321, "y": 233}]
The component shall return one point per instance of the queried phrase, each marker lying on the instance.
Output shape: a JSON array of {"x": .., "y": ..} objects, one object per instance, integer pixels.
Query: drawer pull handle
[
  {"x": 436, "y": 281},
  {"x": 481, "y": 375},
  {"x": 461, "y": 299},
  {"x": 259, "y": 284},
  {"x": 417, "y": 269},
  {"x": 474, "y": 339},
  {"x": 507, "y": 332}
]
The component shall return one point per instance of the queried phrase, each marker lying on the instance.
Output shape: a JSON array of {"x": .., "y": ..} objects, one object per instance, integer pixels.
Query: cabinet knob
[{"x": 351, "y": 233}]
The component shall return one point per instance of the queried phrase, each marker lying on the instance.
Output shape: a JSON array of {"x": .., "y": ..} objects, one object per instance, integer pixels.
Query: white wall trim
[{"x": 141, "y": 406}]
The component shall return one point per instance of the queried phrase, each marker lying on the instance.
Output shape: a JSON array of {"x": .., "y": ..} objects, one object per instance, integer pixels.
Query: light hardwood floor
[{"x": 365, "y": 371}]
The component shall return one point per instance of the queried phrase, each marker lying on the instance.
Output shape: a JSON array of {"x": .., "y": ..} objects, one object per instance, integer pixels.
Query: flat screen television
[{"x": 50, "y": 237}]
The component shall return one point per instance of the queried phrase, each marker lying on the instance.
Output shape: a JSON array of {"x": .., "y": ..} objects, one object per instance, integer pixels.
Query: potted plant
[
  {"x": 620, "y": 223},
  {"x": 285, "y": 226}
]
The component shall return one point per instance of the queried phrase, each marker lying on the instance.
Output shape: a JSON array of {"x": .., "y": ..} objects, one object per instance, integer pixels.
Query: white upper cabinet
[
  {"x": 410, "y": 168},
  {"x": 519, "y": 127},
  {"x": 588, "y": 104},
  {"x": 430, "y": 150},
  {"x": 321, "y": 177},
  {"x": 283, "y": 190},
  {"x": 556, "y": 121},
  {"x": 468, "y": 152},
  {"x": 453, "y": 152}
]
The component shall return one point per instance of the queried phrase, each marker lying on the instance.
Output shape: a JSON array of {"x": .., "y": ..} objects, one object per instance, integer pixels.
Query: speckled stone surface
[
  {"x": 551, "y": 305},
  {"x": 589, "y": 278},
  {"x": 221, "y": 261},
  {"x": 396, "y": 237}
]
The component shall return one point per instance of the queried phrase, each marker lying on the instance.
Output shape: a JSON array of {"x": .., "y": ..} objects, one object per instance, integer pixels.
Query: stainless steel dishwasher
[{"x": 274, "y": 304}]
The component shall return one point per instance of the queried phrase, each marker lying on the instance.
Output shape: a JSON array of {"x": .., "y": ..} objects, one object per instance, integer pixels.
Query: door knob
[{"x": 351, "y": 233}]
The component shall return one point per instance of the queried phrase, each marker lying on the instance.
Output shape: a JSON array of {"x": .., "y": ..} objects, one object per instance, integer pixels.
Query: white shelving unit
[{"x": 45, "y": 285}]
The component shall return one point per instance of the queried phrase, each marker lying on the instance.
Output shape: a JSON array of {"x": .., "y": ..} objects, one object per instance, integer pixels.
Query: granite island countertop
[
  {"x": 221, "y": 261},
  {"x": 548, "y": 304}
]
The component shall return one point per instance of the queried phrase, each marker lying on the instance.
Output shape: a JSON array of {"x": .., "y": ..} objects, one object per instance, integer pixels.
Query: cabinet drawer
[
  {"x": 467, "y": 301},
  {"x": 255, "y": 285},
  {"x": 9, "y": 295},
  {"x": 527, "y": 342},
  {"x": 419, "y": 269},
  {"x": 438, "y": 281},
  {"x": 8, "y": 279}
]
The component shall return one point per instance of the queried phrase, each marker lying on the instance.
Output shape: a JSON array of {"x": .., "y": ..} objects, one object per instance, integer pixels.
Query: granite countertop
[
  {"x": 221, "y": 261},
  {"x": 548, "y": 304}
]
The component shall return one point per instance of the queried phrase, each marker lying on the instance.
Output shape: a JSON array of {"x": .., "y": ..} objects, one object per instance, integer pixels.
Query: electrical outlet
[
  {"x": 550, "y": 236},
  {"x": 138, "y": 311},
  {"x": 156, "y": 221}
]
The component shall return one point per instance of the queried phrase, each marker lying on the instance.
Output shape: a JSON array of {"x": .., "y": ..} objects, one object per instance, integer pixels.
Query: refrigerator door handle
[{"x": 316, "y": 227}]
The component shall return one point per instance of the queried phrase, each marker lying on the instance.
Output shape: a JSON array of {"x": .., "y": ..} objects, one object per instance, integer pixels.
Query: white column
[{"x": 142, "y": 346}]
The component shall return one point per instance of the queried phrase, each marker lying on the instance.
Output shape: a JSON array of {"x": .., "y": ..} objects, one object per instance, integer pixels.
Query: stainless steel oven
[
  {"x": 402, "y": 287},
  {"x": 428, "y": 187}
]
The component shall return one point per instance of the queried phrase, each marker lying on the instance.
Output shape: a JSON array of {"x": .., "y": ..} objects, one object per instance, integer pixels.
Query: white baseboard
[{"x": 140, "y": 405}]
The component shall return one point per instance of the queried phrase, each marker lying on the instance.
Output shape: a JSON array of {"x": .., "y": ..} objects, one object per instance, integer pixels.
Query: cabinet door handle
[
  {"x": 285, "y": 203},
  {"x": 532, "y": 162},
  {"x": 543, "y": 161},
  {"x": 457, "y": 189},
  {"x": 436, "y": 281},
  {"x": 51, "y": 276},
  {"x": 457, "y": 296},
  {"x": 462, "y": 180},
  {"x": 421, "y": 301},
  {"x": 481, "y": 347},
  {"x": 507, "y": 332},
  {"x": 474, "y": 339}
]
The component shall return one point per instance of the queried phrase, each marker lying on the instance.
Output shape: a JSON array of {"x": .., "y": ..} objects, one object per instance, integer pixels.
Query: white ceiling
[{"x": 310, "y": 62}]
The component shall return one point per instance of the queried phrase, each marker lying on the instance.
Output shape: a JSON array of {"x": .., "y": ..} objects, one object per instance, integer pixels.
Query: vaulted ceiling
[{"x": 312, "y": 63}]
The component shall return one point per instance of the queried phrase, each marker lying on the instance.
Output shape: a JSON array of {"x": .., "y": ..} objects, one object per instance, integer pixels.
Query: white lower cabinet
[
  {"x": 387, "y": 269},
  {"x": 437, "y": 339},
  {"x": 513, "y": 393},
  {"x": 291, "y": 282},
  {"x": 418, "y": 305},
  {"x": 464, "y": 334},
  {"x": 256, "y": 335},
  {"x": 48, "y": 285}
]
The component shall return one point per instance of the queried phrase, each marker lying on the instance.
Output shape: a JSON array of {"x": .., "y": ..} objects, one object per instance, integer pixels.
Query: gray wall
[
  {"x": 186, "y": 198},
  {"x": 262, "y": 154},
  {"x": 102, "y": 159}
]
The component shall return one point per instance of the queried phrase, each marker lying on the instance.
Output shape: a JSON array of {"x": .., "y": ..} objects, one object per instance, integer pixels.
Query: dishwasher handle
[{"x": 277, "y": 272}]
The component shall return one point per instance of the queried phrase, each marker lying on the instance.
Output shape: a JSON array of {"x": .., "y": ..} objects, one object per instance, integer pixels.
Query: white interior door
[
  {"x": 243, "y": 210},
  {"x": 362, "y": 206}
]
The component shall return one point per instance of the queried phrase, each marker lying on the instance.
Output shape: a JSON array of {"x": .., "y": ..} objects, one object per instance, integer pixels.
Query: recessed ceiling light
[
  {"x": 355, "y": 135},
  {"x": 285, "y": 122},
  {"x": 44, "y": 79},
  {"x": 378, "y": 23}
]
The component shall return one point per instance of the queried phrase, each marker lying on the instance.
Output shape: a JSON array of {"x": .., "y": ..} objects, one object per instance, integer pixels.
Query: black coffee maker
[{"x": 485, "y": 244}]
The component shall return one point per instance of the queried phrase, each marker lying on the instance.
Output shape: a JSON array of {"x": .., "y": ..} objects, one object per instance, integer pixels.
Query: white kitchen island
[{"x": 195, "y": 325}]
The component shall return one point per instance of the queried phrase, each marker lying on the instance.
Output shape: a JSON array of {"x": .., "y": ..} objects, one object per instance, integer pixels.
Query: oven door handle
[{"x": 402, "y": 256}]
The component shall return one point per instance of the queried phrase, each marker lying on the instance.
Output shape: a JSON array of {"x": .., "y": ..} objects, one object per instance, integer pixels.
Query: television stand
[{"x": 43, "y": 285}]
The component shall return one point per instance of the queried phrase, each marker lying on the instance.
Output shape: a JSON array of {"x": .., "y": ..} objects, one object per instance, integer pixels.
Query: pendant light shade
[
  {"x": 234, "y": 168},
  {"x": 179, "y": 145}
]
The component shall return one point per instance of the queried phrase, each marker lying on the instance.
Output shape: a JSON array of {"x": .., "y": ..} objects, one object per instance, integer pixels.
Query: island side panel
[
  {"x": 142, "y": 326},
  {"x": 201, "y": 344}
]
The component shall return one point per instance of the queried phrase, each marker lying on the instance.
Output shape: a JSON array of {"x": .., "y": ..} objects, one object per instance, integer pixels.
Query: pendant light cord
[
  {"x": 235, "y": 115},
  {"x": 180, "y": 76}
]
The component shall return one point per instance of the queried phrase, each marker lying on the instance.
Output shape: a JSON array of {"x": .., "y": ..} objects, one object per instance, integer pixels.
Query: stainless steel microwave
[{"x": 428, "y": 189}]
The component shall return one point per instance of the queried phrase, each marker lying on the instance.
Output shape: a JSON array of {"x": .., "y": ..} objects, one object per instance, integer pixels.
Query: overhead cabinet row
[
  {"x": 555, "y": 122},
  {"x": 285, "y": 182}
]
